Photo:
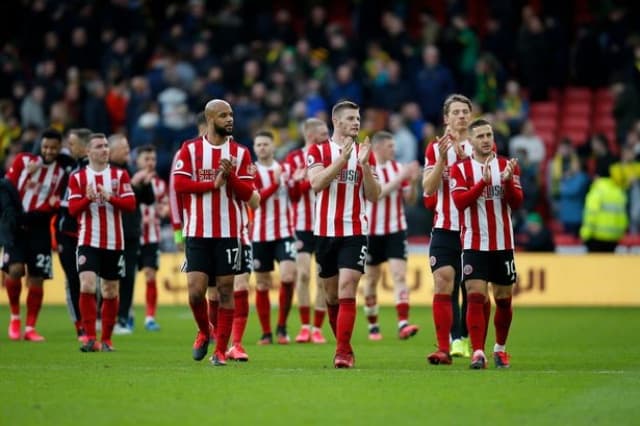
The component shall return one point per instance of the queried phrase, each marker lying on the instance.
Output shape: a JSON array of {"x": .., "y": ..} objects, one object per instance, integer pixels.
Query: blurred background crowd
[{"x": 558, "y": 79}]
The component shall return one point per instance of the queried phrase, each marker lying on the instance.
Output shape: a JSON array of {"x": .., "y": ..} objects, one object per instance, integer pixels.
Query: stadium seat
[
  {"x": 563, "y": 239},
  {"x": 630, "y": 240},
  {"x": 603, "y": 95},
  {"x": 580, "y": 94},
  {"x": 578, "y": 137},
  {"x": 545, "y": 124},
  {"x": 543, "y": 109},
  {"x": 577, "y": 109}
]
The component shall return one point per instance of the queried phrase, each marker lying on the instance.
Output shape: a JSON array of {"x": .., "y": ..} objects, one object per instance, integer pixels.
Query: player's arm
[
  {"x": 13, "y": 174},
  {"x": 463, "y": 195},
  {"x": 320, "y": 176},
  {"x": 125, "y": 199},
  {"x": 78, "y": 200},
  {"x": 367, "y": 163},
  {"x": 432, "y": 175},
  {"x": 513, "y": 190}
]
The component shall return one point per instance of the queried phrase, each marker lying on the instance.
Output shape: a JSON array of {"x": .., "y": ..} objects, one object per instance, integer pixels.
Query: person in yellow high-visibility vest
[{"x": 605, "y": 217}]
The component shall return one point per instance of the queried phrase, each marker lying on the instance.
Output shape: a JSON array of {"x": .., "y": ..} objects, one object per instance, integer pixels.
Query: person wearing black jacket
[
  {"x": 132, "y": 226},
  {"x": 66, "y": 225}
]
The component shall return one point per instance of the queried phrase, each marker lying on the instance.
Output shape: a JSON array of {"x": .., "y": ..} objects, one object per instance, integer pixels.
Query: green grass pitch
[{"x": 569, "y": 366}]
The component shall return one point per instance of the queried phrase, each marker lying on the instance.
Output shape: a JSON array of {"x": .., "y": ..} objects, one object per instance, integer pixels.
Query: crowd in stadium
[{"x": 558, "y": 81}]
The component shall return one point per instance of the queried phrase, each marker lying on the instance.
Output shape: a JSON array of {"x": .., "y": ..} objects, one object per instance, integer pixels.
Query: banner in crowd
[{"x": 543, "y": 280}]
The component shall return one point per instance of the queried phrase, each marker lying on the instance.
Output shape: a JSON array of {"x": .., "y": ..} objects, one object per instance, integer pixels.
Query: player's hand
[
  {"x": 226, "y": 166},
  {"x": 33, "y": 166},
  {"x": 220, "y": 180},
  {"x": 53, "y": 200},
  {"x": 103, "y": 193},
  {"x": 486, "y": 171},
  {"x": 459, "y": 151},
  {"x": 507, "y": 173},
  {"x": 149, "y": 177},
  {"x": 365, "y": 151},
  {"x": 346, "y": 149},
  {"x": 139, "y": 177},
  {"x": 444, "y": 143},
  {"x": 278, "y": 173},
  {"x": 411, "y": 171},
  {"x": 91, "y": 193}
]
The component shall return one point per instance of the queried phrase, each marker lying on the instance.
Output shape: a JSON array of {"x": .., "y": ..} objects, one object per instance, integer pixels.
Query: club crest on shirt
[
  {"x": 453, "y": 183},
  {"x": 179, "y": 164},
  {"x": 310, "y": 160}
]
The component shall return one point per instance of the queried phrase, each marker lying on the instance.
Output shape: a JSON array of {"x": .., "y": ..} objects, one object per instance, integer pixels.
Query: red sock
[
  {"x": 402, "y": 310},
  {"x": 109, "y": 314},
  {"x": 333, "y": 317},
  {"x": 34, "y": 303},
  {"x": 152, "y": 298},
  {"x": 305, "y": 315},
  {"x": 442, "y": 318},
  {"x": 502, "y": 319},
  {"x": 285, "y": 297},
  {"x": 475, "y": 320},
  {"x": 263, "y": 306},
  {"x": 223, "y": 330},
  {"x": 201, "y": 316},
  {"x": 14, "y": 288},
  {"x": 241, "y": 313},
  {"x": 346, "y": 321},
  {"x": 89, "y": 312},
  {"x": 487, "y": 317},
  {"x": 212, "y": 310},
  {"x": 318, "y": 317}
]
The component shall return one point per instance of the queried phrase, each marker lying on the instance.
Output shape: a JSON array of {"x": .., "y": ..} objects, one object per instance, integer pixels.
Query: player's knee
[
  {"x": 443, "y": 282},
  {"x": 303, "y": 278},
  {"x": 16, "y": 271}
]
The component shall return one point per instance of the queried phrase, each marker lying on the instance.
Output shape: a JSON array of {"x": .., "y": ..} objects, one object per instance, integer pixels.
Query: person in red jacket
[
  {"x": 486, "y": 188},
  {"x": 98, "y": 194}
]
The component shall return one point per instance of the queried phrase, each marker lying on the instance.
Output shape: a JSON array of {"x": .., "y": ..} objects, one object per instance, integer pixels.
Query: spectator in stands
[
  {"x": 405, "y": 143},
  {"x": 530, "y": 142},
  {"x": 536, "y": 237},
  {"x": 32, "y": 110},
  {"x": 515, "y": 106},
  {"x": 600, "y": 158},
  {"x": 605, "y": 215},
  {"x": 564, "y": 161},
  {"x": 626, "y": 174},
  {"x": 572, "y": 190},
  {"x": 533, "y": 55},
  {"x": 434, "y": 82}
]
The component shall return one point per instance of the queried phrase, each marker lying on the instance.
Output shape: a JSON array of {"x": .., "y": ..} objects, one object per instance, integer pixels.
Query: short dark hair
[
  {"x": 265, "y": 133},
  {"x": 456, "y": 97},
  {"x": 380, "y": 136},
  {"x": 343, "y": 105},
  {"x": 82, "y": 134},
  {"x": 146, "y": 148},
  {"x": 477, "y": 123},
  {"x": 200, "y": 119},
  {"x": 52, "y": 134},
  {"x": 93, "y": 136}
]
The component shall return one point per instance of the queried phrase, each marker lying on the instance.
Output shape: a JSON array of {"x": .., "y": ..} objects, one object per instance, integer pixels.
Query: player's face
[
  {"x": 347, "y": 122},
  {"x": 263, "y": 147},
  {"x": 222, "y": 120},
  {"x": 49, "y": 149},
  {"x": 386, "y": 150},
  {"x": 320, "y": 134},
  {"x": 458, "y": 116},
  {"x": 120, "y": 152},
  {"x": 77, "y": 149},
  {"x": 99, "y": 151},
  {"x": 482, "y": 139},
  {"x": 147, "y": 161}
]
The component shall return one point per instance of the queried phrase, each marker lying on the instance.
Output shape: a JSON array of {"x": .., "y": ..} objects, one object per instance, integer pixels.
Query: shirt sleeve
[
  {"x": 125, "y": 189},
  {"x": 182, "y": 165},
  {"x": 430, "y": 156},
  {"x": 314, "y": 157}
]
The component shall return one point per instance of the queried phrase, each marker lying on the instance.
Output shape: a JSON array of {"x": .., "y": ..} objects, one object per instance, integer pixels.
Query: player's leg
[
  {"x": 502, "y": 279},
  {"x": 241, "y": 308},
  {"x": 224, "y": 284},
  {"x": 38, "y": 269},
  {"x": 87, "y": 300},
  {"x": 13, "y": 264},
  {"x": 263, "y": 258},
  {"x": 398, "y": 269},
  {"x": 319, "y": 312},
  {"x": 110, "y": 290},
  {"x": 127, "y": 283},
  {"x": 352, "y": 256},
  {"x": 476, "y": 273},
  {"x": 303, "y": 266},
  {"x": 148, "y": 261},
  {"x": 285, "y": 254},
  {"x": 67, "y": 256},
  {"x": 371, "y": 308},
  {"x": 198, "y": 268}
]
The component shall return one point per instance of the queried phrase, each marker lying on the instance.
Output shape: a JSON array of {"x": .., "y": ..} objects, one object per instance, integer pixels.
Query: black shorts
[
  {"x": 496, "y": 267},
  {"x": 264, "y": 253},
  {"x": 107, "y": 264},
  {"x": 445, "y": 249},
  {"x": 333, "y": 253},
  {"x": 213, "y": 256},
  {"x": 148, "y": 256},
  {"x": 385, "y": 247},
  {"x": 306, "y": 242},
  {"x": 247, "y": 260},
  {"x": 32, "y": 247}
]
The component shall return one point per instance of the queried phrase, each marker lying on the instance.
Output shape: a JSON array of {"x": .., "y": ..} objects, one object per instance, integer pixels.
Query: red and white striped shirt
[
  {"x": 36, "y": 188},
  {"x": 100, "y": 225},
  {"x": 446, "y": 215},
  {"x": 303, "y": 208},
  {"x": 340, "y": 208},
  {"x": 386, "y": 216},
  {"x": 151, "y": 215},
  {"x": 487, "y": 222},
  {"x": 176, "y": 209},
  {"x": 273, "y": 219},
  {"x": 213, "y": 214}
]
